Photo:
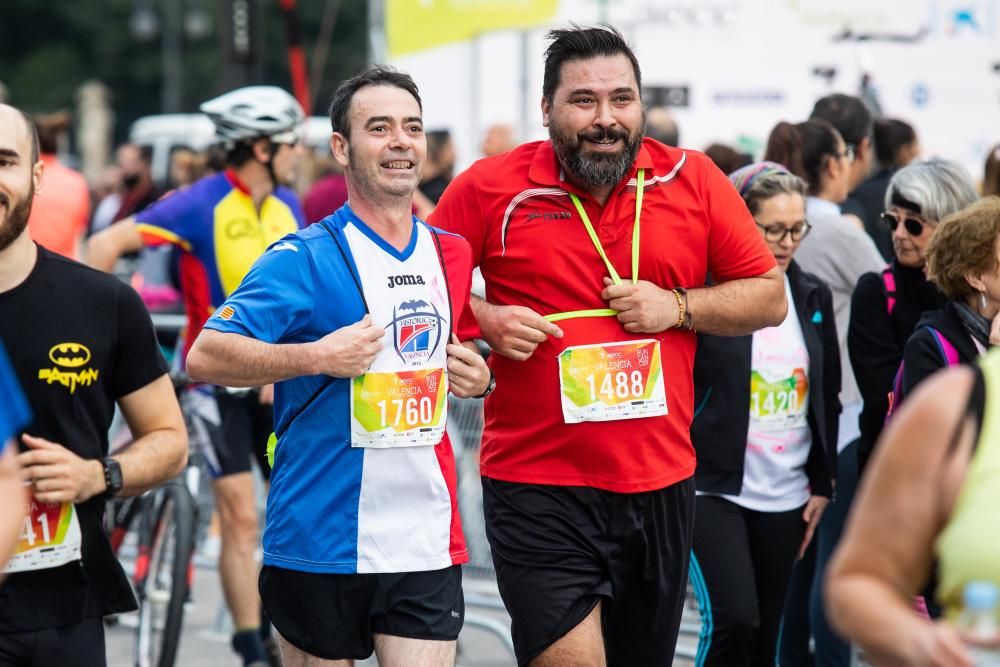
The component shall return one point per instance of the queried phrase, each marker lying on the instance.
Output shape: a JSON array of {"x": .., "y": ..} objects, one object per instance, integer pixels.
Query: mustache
[
  {"x": 5, "y": 200},
  {"x": 604, "y": 134}
]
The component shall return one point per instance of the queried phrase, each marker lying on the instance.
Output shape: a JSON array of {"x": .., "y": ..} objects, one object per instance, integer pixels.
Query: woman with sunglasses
[
  {"x": 963, "y": 260},
  {"x": 887, "y": 304},
  {"x": 765, "y": 431}
]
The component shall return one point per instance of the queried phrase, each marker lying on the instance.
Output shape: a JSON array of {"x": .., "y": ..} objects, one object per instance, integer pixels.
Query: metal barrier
[{"x": 484, "y": 609}]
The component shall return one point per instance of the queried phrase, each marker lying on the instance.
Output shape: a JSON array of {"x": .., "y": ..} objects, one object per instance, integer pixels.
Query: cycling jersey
[
  {"x": 334, "y": 507},
  {"x": 222, "y": 233}
]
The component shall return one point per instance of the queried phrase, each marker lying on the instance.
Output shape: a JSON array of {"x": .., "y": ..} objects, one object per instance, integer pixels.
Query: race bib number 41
[
  {"x": 399, "y": 409},
  {"x": 611, "y": 381},
  {"x": 50, "y": 537}
]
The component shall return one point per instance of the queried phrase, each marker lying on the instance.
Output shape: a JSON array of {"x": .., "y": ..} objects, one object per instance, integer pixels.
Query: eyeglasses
[
  {"x": 848, "y": 153},
  {"x": 777, "y": 233},
  {"x": 914, "y": 226}
]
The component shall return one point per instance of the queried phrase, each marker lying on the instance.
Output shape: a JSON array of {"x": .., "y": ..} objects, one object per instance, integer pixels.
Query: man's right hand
[
  {"x": 350, "y": 350},
  {"x": 513, "y": 331}
]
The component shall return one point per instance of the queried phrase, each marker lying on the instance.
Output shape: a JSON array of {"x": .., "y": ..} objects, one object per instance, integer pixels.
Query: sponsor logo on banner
[{"x": 749, "y": 97}]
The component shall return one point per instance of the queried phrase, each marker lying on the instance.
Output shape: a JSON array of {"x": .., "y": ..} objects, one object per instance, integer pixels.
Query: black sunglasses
[
  {"x": 914, "y": 226},
  {"x": 777, "y": 233}
]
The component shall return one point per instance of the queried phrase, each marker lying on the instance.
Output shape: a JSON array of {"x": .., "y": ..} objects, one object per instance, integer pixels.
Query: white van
[{"x": 166, "y": 133}]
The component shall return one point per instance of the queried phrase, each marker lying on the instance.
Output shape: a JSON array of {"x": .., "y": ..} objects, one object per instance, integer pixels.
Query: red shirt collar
[
  {"x": 546, "y": 170},
  {"x": 236, "y": 182}
]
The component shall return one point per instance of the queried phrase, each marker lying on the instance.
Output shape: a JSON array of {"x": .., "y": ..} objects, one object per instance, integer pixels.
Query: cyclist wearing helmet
[{"x": 222, "y": 224}]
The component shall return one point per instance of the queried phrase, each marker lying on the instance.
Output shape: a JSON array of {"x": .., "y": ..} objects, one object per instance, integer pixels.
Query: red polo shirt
[{"x": 534, "y": 251}]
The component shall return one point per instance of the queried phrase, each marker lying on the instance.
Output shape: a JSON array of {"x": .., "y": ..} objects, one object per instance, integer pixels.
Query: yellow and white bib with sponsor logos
[{"x": 611, "y": 381}]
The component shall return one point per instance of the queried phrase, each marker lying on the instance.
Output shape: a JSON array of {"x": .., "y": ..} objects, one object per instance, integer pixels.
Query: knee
[{"x": 238, "y": 520}]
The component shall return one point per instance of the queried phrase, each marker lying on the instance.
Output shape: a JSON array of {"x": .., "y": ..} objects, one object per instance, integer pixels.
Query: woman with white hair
[{"x": 886, "y": 306}]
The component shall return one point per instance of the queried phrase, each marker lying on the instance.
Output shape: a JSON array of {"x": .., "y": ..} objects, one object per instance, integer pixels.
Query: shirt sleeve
[
  {"x": 459, "y": 211},
  {"x": 14, "y": 411},
  {"x": 137, "y": 357},
  {"x": 735, "y": 247},
  {"x": 169, "y": 220},
  {"x": 258, "y": 309}
]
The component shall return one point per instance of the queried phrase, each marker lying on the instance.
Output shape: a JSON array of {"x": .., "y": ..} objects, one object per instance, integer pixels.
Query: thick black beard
[
  {"x": 595, "y": 169},
  {"x": 17, "y": 220}
]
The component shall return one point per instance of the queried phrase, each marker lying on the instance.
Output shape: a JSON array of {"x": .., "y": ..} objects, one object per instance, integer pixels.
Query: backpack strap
[
  {"x": 889, "y": 281},
  {"x": 948, "y": 351}
]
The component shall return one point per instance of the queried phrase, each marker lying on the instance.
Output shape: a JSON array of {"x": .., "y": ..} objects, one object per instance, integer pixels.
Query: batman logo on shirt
[
  {"x": 68, "y": 370},
  {"x": 69, "y": 355}
]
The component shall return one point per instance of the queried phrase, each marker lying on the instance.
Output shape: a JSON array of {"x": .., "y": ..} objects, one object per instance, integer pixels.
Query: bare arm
[
  {"x": 240, "y": 361},
  {"x": 886, "y": 552},
  {"x": 159, "y": 451},
  {"x": 12, "y": 503},
  {"x": 107, "y": 246},
  {"x": 739, "y": 307},
  {"x": 732, "y": 308},
  {"x": 513, "y": 331}
]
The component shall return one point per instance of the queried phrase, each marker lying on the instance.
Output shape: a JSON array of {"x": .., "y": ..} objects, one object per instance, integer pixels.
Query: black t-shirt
[{"x": 78, "y": 339}]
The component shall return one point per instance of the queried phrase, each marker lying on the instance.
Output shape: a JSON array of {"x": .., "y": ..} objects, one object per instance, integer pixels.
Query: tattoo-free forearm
[
  {"x": 151, "y": 460},
  {"x": 239, "y": 361},
  {"x": 739, "y": 307}
]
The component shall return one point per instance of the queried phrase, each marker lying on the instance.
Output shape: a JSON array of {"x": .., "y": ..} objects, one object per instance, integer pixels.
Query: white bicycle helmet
[{"x": 255, "y": 111}]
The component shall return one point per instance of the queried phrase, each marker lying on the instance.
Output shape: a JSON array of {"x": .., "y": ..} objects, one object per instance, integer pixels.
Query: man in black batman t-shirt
[{"x": 80, "y": 342}]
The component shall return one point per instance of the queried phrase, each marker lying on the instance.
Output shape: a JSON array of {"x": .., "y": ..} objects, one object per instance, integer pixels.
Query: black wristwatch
[
  {"x": 112, "y": 477},
  {"x": 490, "y": 387}
]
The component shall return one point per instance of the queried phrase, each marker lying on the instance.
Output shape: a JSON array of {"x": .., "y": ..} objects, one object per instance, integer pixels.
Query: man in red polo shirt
[{"x": 595, "y": 247}]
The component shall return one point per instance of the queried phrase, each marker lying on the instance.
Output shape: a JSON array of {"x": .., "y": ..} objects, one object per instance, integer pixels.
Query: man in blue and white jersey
[{"x": 358, "y": 320}]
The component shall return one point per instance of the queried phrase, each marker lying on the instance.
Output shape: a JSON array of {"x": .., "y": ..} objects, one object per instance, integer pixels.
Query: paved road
[{"x": 205, "y": 641}]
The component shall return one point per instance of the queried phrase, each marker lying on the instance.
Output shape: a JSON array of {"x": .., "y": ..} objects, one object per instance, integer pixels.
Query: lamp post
[{"x": 175, "y": 20}]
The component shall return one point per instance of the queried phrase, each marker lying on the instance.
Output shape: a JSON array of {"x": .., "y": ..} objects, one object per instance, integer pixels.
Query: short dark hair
[
  {"x": 32, "y": 133},
  {"x": 578, "y": 43},
  {"x": 379, "y": 75},
  {"x": 847, "y": 113},
  {"x": 890, "y": 136},
  {"x": 803, "y": 149},
  {"x": 240, "y": 153}
]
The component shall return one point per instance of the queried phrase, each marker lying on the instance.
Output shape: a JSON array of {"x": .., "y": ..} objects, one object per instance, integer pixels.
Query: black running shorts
[
  {"x": 80, "y": 645},
  {"x": 245, "y": 426},
  {"x": 559, "y": 550},
  {"x": 335, "y": 616}
]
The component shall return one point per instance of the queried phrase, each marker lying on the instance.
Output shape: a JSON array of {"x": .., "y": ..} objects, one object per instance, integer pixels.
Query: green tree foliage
[{"x": 49, "y": 47}]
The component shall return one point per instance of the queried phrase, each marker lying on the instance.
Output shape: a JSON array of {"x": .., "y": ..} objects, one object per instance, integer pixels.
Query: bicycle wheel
[{"x": 169, "y": 543}]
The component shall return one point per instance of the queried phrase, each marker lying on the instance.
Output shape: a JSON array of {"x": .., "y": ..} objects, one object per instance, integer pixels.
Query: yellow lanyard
[{"x": 608, "y": 312}]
